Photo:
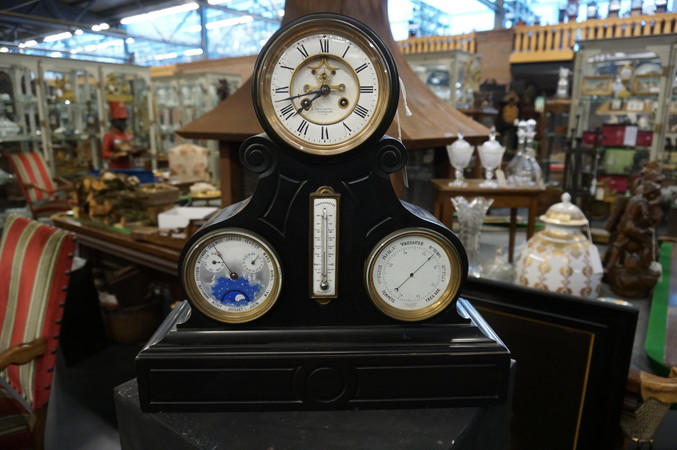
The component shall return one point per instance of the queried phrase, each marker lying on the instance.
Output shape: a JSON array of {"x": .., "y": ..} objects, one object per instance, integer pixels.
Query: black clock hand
[
  {"x": 307, "y": 103},
  {"x": 314, "y": 91},
  {"x": 253, "y": 261},
  {"x": 411, "y": 275},
  {"x": 233, "y": 275}
]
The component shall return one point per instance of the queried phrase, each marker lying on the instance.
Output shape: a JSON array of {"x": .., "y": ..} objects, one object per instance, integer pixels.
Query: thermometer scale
[{"x": 324, "y": 206}]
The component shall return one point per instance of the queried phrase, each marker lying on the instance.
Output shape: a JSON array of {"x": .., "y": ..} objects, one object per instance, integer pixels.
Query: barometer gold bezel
[
  {"x": 204, "y": 305},
  {"x": 450, "y": 291}
]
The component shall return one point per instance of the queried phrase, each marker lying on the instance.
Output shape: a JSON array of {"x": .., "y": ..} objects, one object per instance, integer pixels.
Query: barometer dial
[{"x": 413, "y": 274}]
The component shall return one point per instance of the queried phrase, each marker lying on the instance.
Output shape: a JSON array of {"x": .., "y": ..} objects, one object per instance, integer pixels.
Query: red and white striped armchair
[
  {"x": 42, "y": 194},
  {"x": 35, "y": 262}
]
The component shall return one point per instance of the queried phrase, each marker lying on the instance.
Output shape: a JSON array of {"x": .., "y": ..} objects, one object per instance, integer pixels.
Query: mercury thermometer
[{"x": 324, "y": 224}]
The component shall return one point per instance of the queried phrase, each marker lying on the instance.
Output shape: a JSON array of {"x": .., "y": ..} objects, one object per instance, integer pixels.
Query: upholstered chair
[
  {"x": 35, "y": 262},
  {"x": 44, "y": 195}
]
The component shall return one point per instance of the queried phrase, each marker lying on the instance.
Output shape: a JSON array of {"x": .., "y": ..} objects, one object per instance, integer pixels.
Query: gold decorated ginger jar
[{"x": 561, "y": 258}]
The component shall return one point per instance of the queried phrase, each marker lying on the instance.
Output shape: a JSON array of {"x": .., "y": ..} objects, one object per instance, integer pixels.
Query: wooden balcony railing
[
  {"x": 556, "y": 42},
  {"x": 539, "y": 44},
  {"x": 552, "y": 42},
  {"x": 439, "y": 44}
]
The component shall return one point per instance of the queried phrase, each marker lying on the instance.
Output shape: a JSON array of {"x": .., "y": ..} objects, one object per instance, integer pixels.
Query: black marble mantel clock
[{"x": 323, "y": 290}]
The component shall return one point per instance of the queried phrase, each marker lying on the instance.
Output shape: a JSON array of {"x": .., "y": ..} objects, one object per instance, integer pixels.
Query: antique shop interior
[{"x": 401, "y": 224}]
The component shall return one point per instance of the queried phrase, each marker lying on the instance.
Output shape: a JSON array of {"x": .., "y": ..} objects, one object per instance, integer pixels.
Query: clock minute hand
[{"x": 313, "y": 91}]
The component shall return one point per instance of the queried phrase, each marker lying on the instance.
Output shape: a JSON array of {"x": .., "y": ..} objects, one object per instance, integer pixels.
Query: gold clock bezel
[
  {"x": 202, "y": 304},
  {"x": 312, "y": 26},
  {"x": 447, "y": 297}
]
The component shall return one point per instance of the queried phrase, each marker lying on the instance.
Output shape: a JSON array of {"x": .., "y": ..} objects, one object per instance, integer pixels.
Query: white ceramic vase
[{"x": 561, "y": 258}]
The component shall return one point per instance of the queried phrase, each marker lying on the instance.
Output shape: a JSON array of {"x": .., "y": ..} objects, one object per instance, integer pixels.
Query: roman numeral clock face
[{"x": 324, "y": 85}]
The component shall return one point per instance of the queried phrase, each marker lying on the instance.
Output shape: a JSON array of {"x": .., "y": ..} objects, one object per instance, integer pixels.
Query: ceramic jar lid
[{"x": 565, "y": 213}]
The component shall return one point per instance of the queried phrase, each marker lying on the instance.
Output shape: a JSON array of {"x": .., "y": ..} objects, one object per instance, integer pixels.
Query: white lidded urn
[
  {"x": 459, "y": 153},
  {"x": 561, "y": 258}
]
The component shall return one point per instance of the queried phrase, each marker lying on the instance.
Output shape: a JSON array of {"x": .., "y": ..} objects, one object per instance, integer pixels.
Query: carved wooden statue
[
  {"x": 651, "y": 172},
  {"x": 629, "y": 264}
]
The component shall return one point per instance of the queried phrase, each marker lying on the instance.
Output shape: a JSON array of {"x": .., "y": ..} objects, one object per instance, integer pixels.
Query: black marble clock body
[
  {"x": 280, "y": 210},
  {"x": 303, "y": 354}
]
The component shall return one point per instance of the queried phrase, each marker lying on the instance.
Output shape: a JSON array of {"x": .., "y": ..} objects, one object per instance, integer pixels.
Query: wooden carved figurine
[
  {"x": 650, "y": 172},
  {"x": 629, "y": 262}
]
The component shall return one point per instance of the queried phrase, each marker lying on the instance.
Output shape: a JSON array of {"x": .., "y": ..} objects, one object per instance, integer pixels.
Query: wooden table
[
  {"x": 107, "y": 240},
  {"x": 504, "y": 197}
]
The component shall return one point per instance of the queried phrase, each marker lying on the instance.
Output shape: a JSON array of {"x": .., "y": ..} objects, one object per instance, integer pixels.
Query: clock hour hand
[{"x": 307, "y": 103}]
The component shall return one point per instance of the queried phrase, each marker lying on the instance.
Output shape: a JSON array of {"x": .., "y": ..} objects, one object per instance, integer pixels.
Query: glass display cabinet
[
  {"x": 19, "y": 121},
  {"x": 619, "y": 99},
  {"x": 454, "y": 75},
  {"x": 72, "y": 117},
  {"x": 671, "y": 128},
  {"x": 132, "y": 86},
  {"x": 199, "y": 92},
  {"x": 670, "y": 141},
  {"x": 183, "y": 97},
  {"x": 554, "y": 134},
  {"x": 70, "y": 97},
  {"x": 168, "y": 112}
]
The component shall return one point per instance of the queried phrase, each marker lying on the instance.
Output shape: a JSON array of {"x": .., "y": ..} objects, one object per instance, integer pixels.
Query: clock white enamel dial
[
  {"x": 232, "y": 275},
  {"x": 324, "y": 85},
  {"x": 413, "y": 274}
]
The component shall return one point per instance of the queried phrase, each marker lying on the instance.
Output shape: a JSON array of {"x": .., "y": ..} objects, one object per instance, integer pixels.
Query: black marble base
[
  {"x": 469, "y": 428},
  {"x": 403, "y": 366}
]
